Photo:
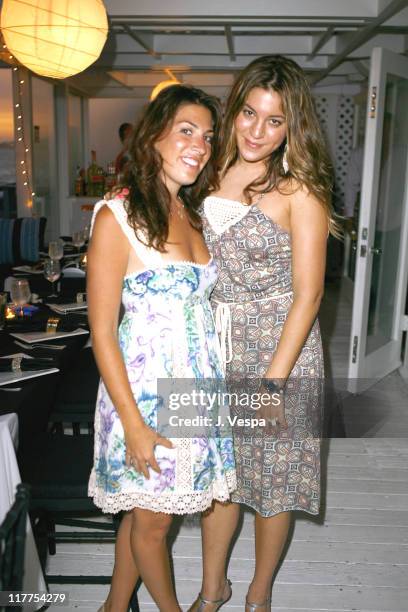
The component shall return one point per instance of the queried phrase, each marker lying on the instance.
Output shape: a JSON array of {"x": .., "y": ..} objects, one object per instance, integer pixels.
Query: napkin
[
  {"x": 38, "y": 323},
  {"x": 38, "y": 363},
  {"x": 38, "y": 326},
  {"x": 65, "y": 298}
]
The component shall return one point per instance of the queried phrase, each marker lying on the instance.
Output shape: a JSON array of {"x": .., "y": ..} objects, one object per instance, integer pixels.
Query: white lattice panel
[
  {"x": 344, "y": 142},
  {"x": 322, "y": 108},
  {"x": 336, "y": 115}
]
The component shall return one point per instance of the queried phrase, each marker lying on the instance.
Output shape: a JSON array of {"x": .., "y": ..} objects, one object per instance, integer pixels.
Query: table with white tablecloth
[{"x": 9, "y": 479}]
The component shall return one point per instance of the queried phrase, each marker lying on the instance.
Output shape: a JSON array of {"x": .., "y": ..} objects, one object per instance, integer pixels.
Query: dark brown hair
[
  {"x": 307, "y": 154},
  {"x": 148, "y": 202}
]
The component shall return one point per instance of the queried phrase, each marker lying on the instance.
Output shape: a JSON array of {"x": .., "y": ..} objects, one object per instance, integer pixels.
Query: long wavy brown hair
[
  {"x": 307, "y": 153},
  {"x": 148, "y": 202}
]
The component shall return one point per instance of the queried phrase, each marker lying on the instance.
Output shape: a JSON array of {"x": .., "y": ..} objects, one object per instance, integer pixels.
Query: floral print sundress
[{"x": 167, "y": 331}]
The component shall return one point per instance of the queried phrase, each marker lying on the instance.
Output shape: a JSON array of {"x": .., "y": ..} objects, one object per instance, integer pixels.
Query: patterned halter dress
[
  {"x": 167, "y": 331},
  {"x": 251, "y": 299}
]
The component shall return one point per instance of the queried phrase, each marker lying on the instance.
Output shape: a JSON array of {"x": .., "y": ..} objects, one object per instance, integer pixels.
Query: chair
[
  {"x": 22, "y": 239},
  {"x": 12, "y": 543},
  {"x": 31, "y": 237},
  {"x": 58, "y": 480},
  {"x": 31, "y": 400},
  {"x": 76, "y": 394},
  {"x": 73, "y": 280}
]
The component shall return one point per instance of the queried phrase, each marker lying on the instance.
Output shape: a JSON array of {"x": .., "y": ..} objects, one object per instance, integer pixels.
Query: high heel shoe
[
  {"x": 254, "y": 606},
  {"x": 218, "y": 602}
]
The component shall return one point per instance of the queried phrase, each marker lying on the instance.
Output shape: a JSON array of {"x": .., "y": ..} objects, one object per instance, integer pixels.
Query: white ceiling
[{"x": 205, "y": 42}]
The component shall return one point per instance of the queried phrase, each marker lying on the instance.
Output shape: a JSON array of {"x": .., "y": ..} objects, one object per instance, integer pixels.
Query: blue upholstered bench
[{"x": 21, "y": 240}]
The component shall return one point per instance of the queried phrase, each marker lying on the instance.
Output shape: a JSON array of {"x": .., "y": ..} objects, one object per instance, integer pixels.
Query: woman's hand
[
  {"x": 273, "y": 409},
  {"x": 140, "y": 445}
]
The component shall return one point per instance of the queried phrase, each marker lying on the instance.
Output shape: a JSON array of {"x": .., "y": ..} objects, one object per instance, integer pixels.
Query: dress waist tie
[
  {"x": 224, "y": 329},
  {"x": 223, "y": 323}
]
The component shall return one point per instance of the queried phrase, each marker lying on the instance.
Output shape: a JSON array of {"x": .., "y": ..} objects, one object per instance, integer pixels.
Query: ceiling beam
[
  {"x": 214, "y": 21},
  {"x": 321, "y": 40},
  {"x": 144, "y": 40},
  {"x": 361, "y": 68},
  {"x": 230, "y": 42},
  {"x": 212, "y": 63},
  {"x": 363, "y": 35},
  {"x": 120, "y": 78},
  {"x": 292, "y": 31}
]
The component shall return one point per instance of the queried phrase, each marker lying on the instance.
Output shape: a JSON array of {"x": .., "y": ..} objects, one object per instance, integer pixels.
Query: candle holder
[
  {"x": 10, "y": 314},
  {"x": 83, "y": 262}
]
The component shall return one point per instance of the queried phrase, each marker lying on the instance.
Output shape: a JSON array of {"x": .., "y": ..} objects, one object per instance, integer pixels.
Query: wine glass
[
  {"x": 20, "y": 293},
  {"x": 78, "y": 240},
  {"x": 86, "y": 232},
  {"x": 56, "y": 249},
  {"x": 52, "y": 272}
]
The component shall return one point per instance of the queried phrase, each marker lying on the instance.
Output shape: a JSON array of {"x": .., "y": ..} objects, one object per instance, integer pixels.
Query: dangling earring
[{"x": 285, "y": 160}]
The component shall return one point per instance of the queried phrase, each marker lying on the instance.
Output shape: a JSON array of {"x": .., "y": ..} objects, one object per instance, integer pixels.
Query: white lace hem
[{"x": 169, "y": 503}]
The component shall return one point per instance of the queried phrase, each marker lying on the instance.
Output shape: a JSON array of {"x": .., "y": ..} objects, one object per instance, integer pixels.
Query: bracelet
[{"x": 272, "y": 386}]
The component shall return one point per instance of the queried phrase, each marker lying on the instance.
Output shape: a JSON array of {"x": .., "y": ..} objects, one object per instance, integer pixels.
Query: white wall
[
  {"x": 7, "y": 148},
  {"x": 105, "y": 117},
  {"x": 44, "y": 154}
]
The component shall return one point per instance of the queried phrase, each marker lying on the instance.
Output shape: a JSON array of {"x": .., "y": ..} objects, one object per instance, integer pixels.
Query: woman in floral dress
[
  {"x": 147, "y": 252},
  {"x": 266, "y": 226}
]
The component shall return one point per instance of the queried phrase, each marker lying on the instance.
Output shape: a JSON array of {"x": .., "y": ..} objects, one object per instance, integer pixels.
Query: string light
[{"x": 19, "y": 123}]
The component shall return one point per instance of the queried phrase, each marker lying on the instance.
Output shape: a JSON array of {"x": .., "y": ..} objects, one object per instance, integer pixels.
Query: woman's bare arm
[
  {"x": 308, "y": 223},
  {"x": 107, "y": 262}
]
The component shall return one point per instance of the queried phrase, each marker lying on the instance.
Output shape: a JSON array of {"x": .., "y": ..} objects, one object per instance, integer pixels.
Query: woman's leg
[
  {"x": 149, "y": 548},
  {"x": 270, "y": 536},
  {"x": 125, "y": 573},
  {"x": 217, "y": 529}
]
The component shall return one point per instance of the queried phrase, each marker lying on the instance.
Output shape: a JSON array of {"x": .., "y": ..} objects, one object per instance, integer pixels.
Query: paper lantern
[
  {"x": 54, "y": 38},
  {"x": 162, "y": 85}
]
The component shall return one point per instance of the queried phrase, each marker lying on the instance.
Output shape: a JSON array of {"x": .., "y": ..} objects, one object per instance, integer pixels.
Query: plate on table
[
  {"x": 7, "y": 378},
  {"x": 65, "y": 308},
  {"x": 44, "y": 336},
  {"x": 28, "y": 269}
]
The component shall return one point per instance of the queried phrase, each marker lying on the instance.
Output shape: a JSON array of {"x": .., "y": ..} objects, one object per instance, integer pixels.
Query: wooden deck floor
[{"x": 353, "y": 557}]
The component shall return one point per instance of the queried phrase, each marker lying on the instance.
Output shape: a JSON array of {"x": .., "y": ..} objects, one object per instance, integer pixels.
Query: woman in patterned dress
[
  {"x": 266, "y": 225},
  {"x": 147, "y": 251}
]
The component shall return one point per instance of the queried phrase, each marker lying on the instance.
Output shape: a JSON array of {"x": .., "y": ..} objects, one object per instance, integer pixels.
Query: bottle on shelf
[
  {"x": 96, "y": 178},
  {"x": 110, "y": 180},
  {"x": 79, "y": 182}
]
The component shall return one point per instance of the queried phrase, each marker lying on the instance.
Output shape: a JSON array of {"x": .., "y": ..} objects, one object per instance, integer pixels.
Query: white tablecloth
[{"x": 9, "y": 479}]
